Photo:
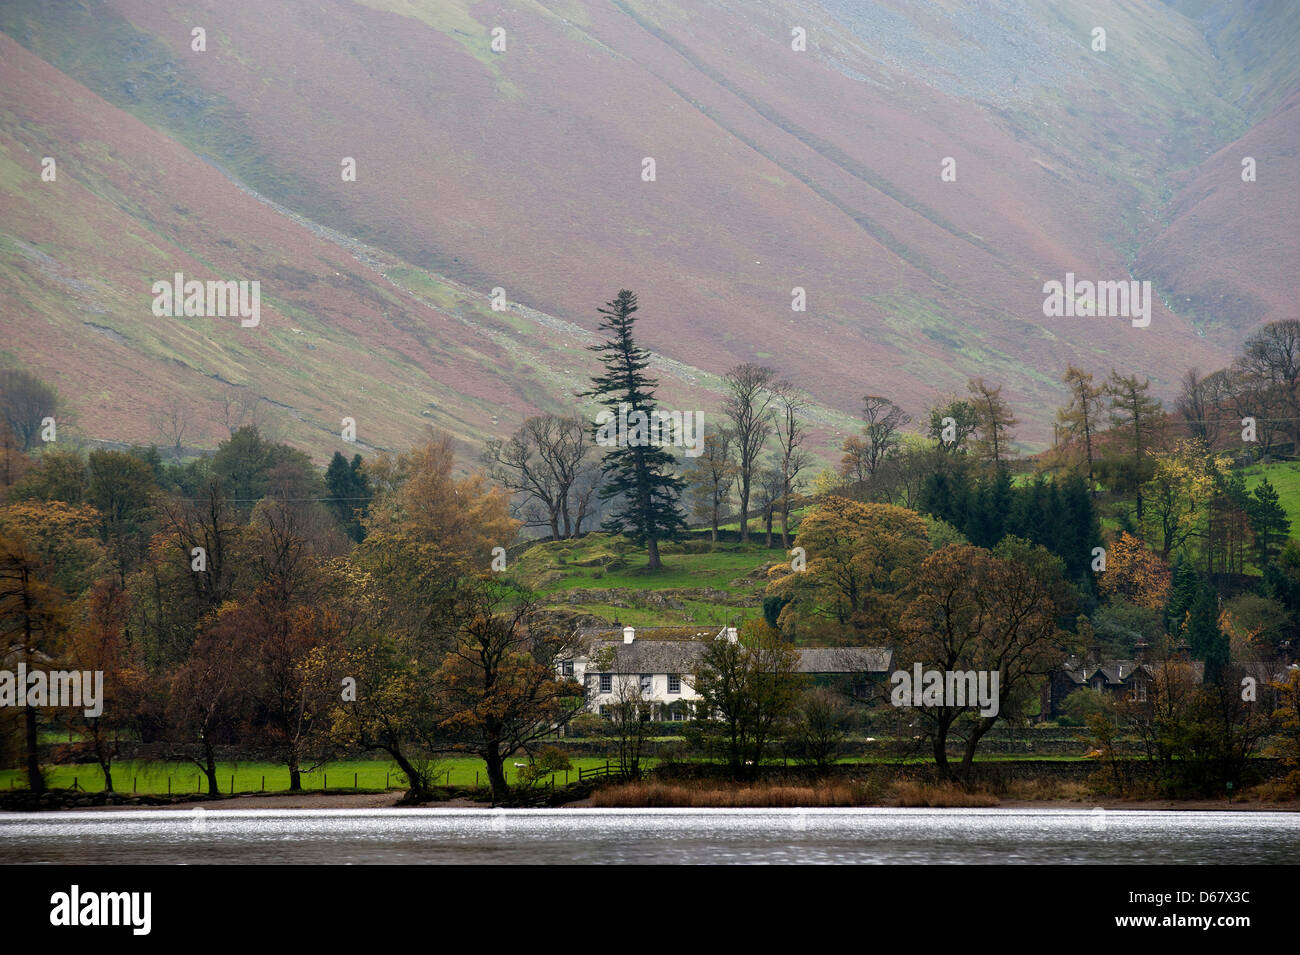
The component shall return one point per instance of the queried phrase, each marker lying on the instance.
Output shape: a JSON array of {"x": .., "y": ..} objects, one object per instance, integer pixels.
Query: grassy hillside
[
  {"x": 521, "y": 169},
  {"x": 700, "y": 582}
]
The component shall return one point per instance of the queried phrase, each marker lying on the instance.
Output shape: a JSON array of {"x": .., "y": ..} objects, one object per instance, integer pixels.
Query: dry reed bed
[{"x": 828, "y": 793}]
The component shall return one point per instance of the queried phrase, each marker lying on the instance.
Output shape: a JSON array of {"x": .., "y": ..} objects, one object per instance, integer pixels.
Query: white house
[{"x": 661, "y": 660}]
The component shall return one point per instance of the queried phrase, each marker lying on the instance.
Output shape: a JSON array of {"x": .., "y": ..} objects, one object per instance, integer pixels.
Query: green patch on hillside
[
  {"x": 1285, "y": 477},
  {"x": 453, "y": 18},
  {"x": 607, "y": 562}
]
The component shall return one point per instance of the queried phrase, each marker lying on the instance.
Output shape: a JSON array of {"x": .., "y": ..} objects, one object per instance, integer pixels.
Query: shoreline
[{"x": 391, "y": 799}]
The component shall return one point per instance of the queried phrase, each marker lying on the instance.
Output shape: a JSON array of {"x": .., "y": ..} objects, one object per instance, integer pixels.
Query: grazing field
[{"x": 251, "y": 777}]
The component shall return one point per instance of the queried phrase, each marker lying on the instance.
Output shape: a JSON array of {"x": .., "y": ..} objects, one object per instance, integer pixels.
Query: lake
[{"x": 670, "y": 836}]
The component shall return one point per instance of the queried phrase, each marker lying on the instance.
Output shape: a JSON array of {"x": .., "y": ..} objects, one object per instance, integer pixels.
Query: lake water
[{"x": 674, "y": 836}]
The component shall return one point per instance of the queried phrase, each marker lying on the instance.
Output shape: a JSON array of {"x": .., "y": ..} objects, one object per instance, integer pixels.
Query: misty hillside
[{"x": 522, "y": 168}]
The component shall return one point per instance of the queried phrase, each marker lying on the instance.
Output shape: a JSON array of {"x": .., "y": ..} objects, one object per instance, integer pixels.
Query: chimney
[
  {"x": 731, "y": 635},
  {"x": 1143, "y": 650},
  {"x": 1094, "y": 654},
  {"x": 629, "y": 634}
]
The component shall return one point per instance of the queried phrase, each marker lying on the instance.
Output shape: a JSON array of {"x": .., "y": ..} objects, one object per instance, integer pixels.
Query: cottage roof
[{"x": 680, "y": 656}]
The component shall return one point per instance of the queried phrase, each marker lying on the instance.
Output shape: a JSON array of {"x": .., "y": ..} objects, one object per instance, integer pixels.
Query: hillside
[{"x": 521, "y": 169}]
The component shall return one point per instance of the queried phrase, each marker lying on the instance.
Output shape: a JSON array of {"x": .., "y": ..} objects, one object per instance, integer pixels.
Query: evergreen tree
[
  {"x": 1207, "y": 641},
  {"x": 637, "y": 468},
  {"x": 1268, "y": 522},
  {"x": 349, "y": 494},
  {"x": 1182, "y": 594}
]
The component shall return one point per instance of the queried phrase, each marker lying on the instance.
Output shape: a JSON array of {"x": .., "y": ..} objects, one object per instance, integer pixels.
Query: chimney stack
[
  {"x": 1143, "y": 650},
  {"x": 1094, "y": 654},
  {"x": 629, "y": 634}
]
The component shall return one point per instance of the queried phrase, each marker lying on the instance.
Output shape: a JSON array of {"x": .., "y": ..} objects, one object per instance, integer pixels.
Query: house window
[
  {"x": 647, "y": 684},
  {"x": 568, "y": 669},
  {"x": 606, "y": 683},
  {"x": 674, "y": 683}
]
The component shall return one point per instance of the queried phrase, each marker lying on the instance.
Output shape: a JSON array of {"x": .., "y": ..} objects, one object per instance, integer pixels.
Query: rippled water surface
[{"x": 650, "y": 836}]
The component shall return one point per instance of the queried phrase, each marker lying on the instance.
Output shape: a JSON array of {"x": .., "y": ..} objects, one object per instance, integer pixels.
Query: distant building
[{"x": 662, "y": 660}]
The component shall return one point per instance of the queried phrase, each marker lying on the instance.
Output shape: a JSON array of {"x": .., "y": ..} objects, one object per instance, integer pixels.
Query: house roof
[
  {"x": 680, "y": 656},
  {"x": 1117, "y": 672}
]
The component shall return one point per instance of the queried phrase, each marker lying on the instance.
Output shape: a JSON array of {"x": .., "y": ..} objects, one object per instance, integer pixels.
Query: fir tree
[
  {"x": 349, "y": 494},
  {"x": 637, "y": 469}
]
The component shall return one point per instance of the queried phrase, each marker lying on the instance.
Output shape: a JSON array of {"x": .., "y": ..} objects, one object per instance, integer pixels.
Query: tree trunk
[
  {"x": 496, "y": 774},
  {"x": 35, "y": 781},
  {"x": 295, "y": 775},
  {"x": 210, "y": 770},
  {"x": 785, "y": 524},
  {"x": 744, "y": 512},
  {"x": 652, "y": 547},
  {"x": 413, "y": 777}
]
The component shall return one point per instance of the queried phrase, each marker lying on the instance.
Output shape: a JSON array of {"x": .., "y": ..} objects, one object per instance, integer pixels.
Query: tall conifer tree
[{"x": 638, "y": 470}]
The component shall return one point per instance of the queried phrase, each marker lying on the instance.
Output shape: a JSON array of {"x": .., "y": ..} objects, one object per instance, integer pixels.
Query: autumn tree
[
  {"x": 861, "y": 559},
  {"x": 1137, "y": 417},
  {"x": 33, "y": 616},
  {"x": 1181, "y": 487},
  {"x": 497, "y": 683},
  {"x": 993, "y": 612},
  {"x": 1081, "y": 417},
  {"x": 748, "y": 398},
  {"x": 1136, "y": 574},
  {"x": 97, "y": 643},
  {"x": 206, "y": 698},
  {"x": 14, "y": 462}
]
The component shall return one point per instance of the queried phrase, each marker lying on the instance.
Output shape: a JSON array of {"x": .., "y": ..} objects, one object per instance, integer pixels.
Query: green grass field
[
  {"x": 251, "y": 777},
  {"x": 1285, "y": 478},
  {"x": 369, "y": 775}
]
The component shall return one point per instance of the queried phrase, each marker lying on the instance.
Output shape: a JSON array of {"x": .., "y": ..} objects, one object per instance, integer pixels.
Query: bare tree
[
  {"x": 1080, "y": 417},
  {"x": 882, "y": 430},
  {"x": 1271, "y": 357},
  {"x": 542, "y": 462},
  {"x": 994, "y": 421},
  {"x": 170, "y": 422},
  {"x": 711, "y": 477},
  {"x": 791, "y": 430},
  {"x": 26, "y": 401},
  {"x": 746, "y": 408}
]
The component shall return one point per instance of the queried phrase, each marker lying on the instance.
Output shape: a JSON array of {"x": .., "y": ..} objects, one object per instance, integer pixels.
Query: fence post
[
  {"x": 264, "y": 782},
  {"x": 134, "y": 785},
  {"x": 232, "y": 784},
  {"x": 387, "y": 781},
  {"x": 169, "y": 785},
  {"x": 354, "y": 781},
  {"x": 325, "y": 781},
  {"x": 476, "y": 779}
]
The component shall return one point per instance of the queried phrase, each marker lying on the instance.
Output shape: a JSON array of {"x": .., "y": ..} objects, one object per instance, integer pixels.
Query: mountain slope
[{"x": 774, "y": 169}]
